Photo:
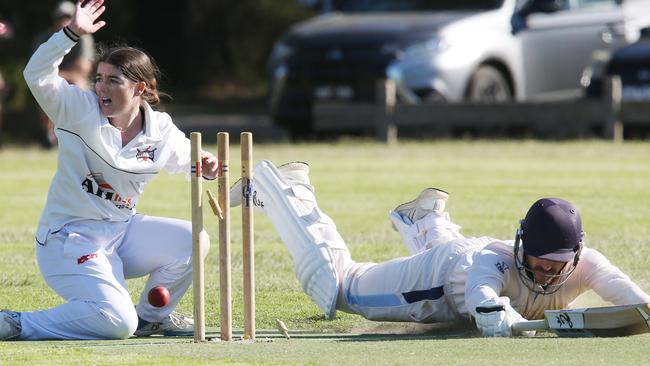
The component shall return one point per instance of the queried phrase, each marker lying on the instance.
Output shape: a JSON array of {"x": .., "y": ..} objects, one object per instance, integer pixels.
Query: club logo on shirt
[
  {"x": 95, "y": 184},
  {"x": 147, "y": 154},
  {"x": 85, "y": 258},
  {"x": 502, "y": 267}
]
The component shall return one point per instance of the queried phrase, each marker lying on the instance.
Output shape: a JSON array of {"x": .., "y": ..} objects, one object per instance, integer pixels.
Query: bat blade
[{"x": 608, "y": 321}]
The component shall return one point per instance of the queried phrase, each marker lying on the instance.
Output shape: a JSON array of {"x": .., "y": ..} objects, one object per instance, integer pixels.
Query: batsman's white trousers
[
  {"x": 426, "y": 287},
  {"x": 87, "y": 263}
]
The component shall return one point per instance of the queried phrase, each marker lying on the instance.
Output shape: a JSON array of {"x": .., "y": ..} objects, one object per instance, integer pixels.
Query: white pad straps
[{"x": 430, "y": 230}]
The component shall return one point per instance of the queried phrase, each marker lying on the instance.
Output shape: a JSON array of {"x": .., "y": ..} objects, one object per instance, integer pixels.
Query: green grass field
[{"x": 492, "y": 184}]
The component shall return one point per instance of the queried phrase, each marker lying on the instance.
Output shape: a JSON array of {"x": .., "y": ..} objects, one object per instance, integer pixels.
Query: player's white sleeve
[
  {"x": 486, "y": 278},
  {"x": 608, "y": 281},
  {"x": 65, "y": 104},
  {"x": 179, "y": 159}
]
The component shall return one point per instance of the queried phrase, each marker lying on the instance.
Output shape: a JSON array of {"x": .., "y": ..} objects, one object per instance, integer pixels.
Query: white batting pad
[{"x": 307, "y": 232}]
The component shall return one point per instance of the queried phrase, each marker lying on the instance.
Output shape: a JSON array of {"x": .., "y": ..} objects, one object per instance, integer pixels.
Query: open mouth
[{"x": 105, "y": 102}]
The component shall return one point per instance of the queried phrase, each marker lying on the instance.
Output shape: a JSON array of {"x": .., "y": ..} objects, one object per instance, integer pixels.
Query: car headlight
[
  {"x": 585, "y": 79},
  {"x": 392, "y": 49},
  {"x": 428, "y": 46},
  {"x": 281, "y": 51},
  {"x": 414, "y": 49}
]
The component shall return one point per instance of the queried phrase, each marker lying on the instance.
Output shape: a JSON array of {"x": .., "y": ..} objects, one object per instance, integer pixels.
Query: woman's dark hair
[{"x": 136, "y": 65}]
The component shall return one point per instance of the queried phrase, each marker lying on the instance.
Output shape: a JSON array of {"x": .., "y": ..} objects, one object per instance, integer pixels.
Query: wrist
[
  {"x": 71, "y": 33},
  {"x": 75, "y": 30}
]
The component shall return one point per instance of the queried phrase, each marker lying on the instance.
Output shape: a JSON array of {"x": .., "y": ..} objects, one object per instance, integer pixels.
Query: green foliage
[
  {"x": 492, "y": 184},
  {"x": 206, "y": 48}
]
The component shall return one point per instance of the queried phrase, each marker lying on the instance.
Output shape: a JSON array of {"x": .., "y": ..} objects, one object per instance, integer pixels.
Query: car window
[
  {"x": 414, "y": 5},
  {"x": 577, "y": 4}
]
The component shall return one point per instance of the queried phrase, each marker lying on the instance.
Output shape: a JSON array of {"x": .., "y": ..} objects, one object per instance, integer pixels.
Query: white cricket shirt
[
  {"x": 491, "y": 272},
  {"x": 96, "y": 178}
]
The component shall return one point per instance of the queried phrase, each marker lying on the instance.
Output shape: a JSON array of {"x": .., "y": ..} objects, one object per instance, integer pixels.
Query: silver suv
[{"x": 442, "y": 50}]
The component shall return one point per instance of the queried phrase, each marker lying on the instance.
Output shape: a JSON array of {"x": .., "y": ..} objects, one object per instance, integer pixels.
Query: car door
[{"x": 557, "y": 46}]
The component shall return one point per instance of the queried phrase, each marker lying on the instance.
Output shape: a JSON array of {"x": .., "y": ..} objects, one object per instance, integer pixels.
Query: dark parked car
[
  {"x": 631, "y": 63},
  {"x": 444, "y": 50}
]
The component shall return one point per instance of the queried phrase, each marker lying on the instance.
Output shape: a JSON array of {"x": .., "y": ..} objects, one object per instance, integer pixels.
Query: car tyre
[{"x": 489, "y": 85}]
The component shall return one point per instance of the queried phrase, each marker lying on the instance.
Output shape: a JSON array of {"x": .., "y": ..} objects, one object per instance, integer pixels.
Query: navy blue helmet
[{"x": 551, "y": 230}]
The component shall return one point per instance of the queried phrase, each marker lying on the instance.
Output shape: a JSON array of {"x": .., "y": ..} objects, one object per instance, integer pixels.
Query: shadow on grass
[
  {"x": 381, "y": 332},
  {"x": 412, "y": 331}
]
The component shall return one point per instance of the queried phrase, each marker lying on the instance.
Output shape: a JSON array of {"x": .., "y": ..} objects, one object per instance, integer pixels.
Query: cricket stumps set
[{"x": 221, "y": 208}]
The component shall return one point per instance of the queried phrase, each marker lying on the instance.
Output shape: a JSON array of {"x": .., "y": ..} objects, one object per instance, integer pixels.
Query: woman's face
[{"x": 117, "y": 95}]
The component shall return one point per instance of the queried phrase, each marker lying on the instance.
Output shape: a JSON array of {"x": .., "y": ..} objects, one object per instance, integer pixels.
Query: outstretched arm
[
  {"x": 66, "y": 105},
  {"x": 489, "y": 274},
  {"x": 608, "y": 281}
]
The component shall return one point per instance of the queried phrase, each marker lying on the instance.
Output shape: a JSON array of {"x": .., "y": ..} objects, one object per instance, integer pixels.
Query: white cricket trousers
[
  {"x": 87, "y": 263},
  {"x": 427, "y": 287}
]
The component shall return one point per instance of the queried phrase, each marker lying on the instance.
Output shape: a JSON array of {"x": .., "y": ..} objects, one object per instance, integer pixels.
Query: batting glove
[{"x": 494, "y": 317}]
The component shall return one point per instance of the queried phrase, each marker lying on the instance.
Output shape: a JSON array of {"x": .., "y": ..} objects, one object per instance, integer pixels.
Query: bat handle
[{"x": 529, "y": 325}]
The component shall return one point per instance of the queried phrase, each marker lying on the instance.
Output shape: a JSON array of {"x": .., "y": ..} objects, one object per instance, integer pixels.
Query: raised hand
[{"x": 85, "y": 17}]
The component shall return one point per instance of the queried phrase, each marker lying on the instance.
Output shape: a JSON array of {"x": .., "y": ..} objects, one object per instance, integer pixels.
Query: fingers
[
  {"x": 96, "y": 9},
  {"x": 97, "y": 4},
  {"x": 93, "y": 8},
  {"x": 99, "y": 25},
  {"x": 91, "y": 5},
  {"x": 210, "y": 164},
  {"x": 85, "y": 20},
  {"x": 209, "y": 159},
  {"x": 99, "y": 12},
  {"x": 207, "y": 154}
]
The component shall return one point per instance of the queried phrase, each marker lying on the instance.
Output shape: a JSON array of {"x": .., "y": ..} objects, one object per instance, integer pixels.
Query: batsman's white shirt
[
  {"x": 96, "y": 177},
  {"x": 447, "y": 282}
]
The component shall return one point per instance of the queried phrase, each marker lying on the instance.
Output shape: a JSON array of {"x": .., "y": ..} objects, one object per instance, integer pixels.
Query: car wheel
[{"x": 488, "y": 85}]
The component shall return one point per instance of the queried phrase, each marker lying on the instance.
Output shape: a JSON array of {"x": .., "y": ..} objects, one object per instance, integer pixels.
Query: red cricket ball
[{"x": 158, "y": 296}]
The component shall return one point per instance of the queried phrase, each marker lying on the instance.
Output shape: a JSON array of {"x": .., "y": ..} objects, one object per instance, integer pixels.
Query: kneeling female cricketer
[
  {"x": 448, "y": 276},
  {"x": 90, "y": 238}
]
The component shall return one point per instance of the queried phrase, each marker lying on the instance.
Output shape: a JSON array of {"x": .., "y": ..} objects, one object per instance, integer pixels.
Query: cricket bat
[{"x": 608, "y": 321}]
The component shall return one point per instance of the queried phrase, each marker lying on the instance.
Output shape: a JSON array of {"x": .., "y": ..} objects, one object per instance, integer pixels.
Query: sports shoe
[
  {"x": 175, "y": 323},
  {"x": 296, "y": 172},
  {"x": 429, "y": 200},
  {"x": 9, "y": 325}
]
